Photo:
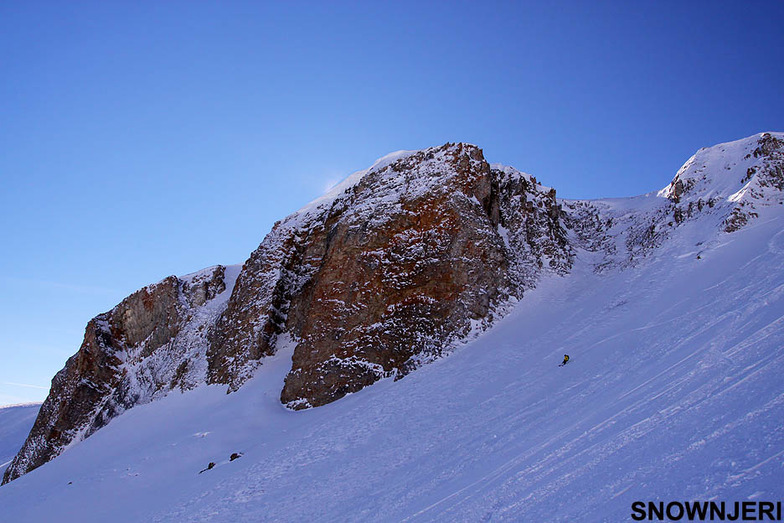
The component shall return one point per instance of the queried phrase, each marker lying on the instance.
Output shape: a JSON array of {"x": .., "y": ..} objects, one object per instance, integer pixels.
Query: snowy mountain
[
  {"x": 670, "y": 304},
  {"x": 390, "y": 270}
]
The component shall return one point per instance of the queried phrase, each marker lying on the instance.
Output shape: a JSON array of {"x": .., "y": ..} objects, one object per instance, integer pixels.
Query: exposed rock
[
  {"x": 145, "y": 346},
  {"x": 768, "y": 145},
  {"x": 389, "y": 273},
  {"x": 677, "y": 191},
  {"x": 394, "y": 267}
]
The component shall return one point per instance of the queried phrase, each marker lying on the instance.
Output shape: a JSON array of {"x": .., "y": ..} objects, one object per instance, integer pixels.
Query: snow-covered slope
[
  {"x": 743, "y": 175},
  {"x": 674, "y": 392},
  {"x": 15, "y": 424}
]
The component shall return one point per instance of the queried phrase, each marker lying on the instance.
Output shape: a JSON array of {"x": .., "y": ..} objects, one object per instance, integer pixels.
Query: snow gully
[{"x": 707, "y": 511}]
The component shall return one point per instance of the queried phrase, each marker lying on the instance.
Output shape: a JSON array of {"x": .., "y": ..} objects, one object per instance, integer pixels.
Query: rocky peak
[
  {"x": 733, "y": 179},
  {"x": 391, "y": 268},
  {"x": 724, "y": 186},
  {"x": 372, "y": 282}
]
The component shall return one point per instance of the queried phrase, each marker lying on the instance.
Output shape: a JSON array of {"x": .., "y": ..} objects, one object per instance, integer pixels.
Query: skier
[{"x": 566, "y": 360}]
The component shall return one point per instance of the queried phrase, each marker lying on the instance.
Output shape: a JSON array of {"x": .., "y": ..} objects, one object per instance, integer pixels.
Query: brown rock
[
  {"x": 112, "y": 371},
  {"x": 388, "y": 275}
]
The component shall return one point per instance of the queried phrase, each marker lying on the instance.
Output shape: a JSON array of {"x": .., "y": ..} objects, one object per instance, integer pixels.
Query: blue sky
[{"x": 143, "y": 139}]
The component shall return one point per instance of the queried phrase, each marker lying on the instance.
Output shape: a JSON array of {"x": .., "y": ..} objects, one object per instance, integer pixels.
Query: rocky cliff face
[
  {"x": 147, "y": 345},
  {"x": 388, "y": 271}
]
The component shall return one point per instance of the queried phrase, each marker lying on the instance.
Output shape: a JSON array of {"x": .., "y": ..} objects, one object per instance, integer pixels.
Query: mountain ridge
[
  {"x": 674, "y": 392},
  {"x": 179, "y": 334}
]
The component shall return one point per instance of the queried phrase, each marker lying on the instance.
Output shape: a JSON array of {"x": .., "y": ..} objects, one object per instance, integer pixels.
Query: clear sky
[{"x": 143, "y": 139}]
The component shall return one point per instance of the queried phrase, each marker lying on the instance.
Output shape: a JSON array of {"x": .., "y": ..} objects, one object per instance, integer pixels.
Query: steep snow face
[
  {"x": 673, "y": 392},
  {"x": 15, "y": 423},
  {"x": 723, "y": 171}
]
